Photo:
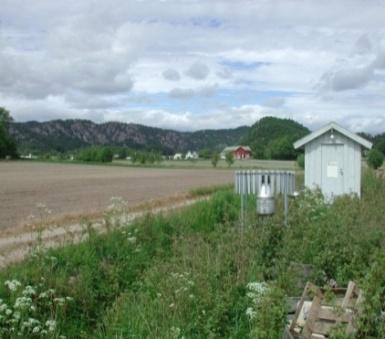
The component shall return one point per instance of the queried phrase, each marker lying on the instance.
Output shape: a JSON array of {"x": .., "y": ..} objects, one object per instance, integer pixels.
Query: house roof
[
  {"x": 234, "y": 148},
  {"x": 332, "y": 126}
]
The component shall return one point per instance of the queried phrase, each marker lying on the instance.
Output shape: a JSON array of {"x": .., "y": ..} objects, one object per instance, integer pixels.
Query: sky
[{"x": 195, "y": 64}]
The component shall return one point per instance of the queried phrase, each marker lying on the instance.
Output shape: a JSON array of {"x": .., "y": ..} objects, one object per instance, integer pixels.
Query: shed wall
[{"x": 352, "y": 162}]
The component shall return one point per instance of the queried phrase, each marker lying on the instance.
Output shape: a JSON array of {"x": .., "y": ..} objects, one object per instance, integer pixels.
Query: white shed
[{"x": 333, "y": 160}]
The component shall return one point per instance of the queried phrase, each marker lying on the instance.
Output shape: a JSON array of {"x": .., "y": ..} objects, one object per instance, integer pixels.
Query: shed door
[{"x": 332, "y": 169}]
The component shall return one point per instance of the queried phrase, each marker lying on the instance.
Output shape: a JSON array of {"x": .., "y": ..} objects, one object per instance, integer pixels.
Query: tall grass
[{"x": 196, "y": 273}]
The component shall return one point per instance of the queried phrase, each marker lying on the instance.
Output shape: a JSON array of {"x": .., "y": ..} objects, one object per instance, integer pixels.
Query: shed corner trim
[{"x": 363, "y": 142}]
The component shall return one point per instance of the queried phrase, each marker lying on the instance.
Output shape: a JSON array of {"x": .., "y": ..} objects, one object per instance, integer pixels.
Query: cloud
[
  {"x": 274, "y": 102},
  {"x": 309, "y": 57},
  {"x": 363, "y": 44},
  {"x": 347, "y": 78},
  {"x": 171, "y": 74},
  {"x": 224, "y": 73},
  {"x": 187, "y": 93},
  {"x": 198, "y": 71}
]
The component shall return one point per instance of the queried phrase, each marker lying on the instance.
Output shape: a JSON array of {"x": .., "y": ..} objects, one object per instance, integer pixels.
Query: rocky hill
[{"x": 67, "y": 135}]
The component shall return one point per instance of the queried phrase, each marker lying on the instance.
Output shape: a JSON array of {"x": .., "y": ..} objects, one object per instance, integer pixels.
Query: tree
[
  {"x": 229, "y": 158},
  {"x": 301, "y": 161},
  {"x": 375, "y": 158},
  {"x": 215, "y": 159},
  {"x": 380, "y": 145},
  {"x": 7, "y": 143},
  {"x": 205, "y": 153},
  {"x": 282, "y": 149}
]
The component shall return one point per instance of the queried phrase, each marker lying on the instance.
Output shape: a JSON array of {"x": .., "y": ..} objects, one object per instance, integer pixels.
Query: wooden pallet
[{"x": 320, "y": 310}]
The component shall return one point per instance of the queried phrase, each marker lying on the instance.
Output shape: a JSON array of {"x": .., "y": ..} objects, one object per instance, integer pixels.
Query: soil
[{"x": 69, "y": 189}]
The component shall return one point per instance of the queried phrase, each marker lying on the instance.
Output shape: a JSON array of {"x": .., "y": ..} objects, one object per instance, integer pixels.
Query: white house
[
  {"x": 333, "y": 160},
  {"x": 191, "y": 155},
  {"x": 178, "y": 156}
]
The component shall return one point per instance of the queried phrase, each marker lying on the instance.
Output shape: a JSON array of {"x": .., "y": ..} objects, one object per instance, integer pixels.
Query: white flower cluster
[
  {"x": 13, "y": 285},
  {"x": 184, "y": 283},
  {"x": 20, "y": 317},
  {"x": 131, "y": 235},
  {"x": 175, "y": 333},
  {"x": 256, "y": 292},
  {"x": 118, "y": 205}
]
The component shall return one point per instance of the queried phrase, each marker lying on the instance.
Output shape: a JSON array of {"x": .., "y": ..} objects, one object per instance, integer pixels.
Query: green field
[
  {"x": 196, "y": 273},
  {"x": 251, "y": 163}
]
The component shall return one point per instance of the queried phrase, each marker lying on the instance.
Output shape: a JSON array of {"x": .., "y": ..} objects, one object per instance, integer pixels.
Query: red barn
[{"x": 239, "y": 152}]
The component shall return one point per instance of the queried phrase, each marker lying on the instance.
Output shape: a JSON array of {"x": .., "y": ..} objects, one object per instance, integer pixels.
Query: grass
[
  {"x": 196, "y": 273},
  {"x": 188, "y": 164},
  {"x": 208, "y": 190},
  {"x": 201, "y": 163}
]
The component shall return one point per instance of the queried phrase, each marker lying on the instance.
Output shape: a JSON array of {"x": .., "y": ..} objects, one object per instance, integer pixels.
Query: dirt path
[
  {"x": 16, "y": 244},
  {"x": 71, "y": 190}
]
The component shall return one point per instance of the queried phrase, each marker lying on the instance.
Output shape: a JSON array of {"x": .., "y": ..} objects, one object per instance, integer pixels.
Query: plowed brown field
[{"x": 81, "y": 189}]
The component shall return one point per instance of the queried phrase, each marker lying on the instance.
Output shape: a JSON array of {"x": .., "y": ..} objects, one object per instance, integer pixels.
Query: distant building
[
  {"x": 178, "y": 156},
  {"x": 239, "y": 152},
  {"x": 191, "y": 155},
  {"x": 333, "y": 160}
]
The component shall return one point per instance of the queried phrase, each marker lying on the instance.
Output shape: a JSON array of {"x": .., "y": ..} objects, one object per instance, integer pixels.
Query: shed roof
[{"x": 332, "y": 126}]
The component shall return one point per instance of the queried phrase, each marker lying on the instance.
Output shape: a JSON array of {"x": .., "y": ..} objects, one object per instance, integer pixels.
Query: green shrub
[
  {"x": 95, "y": 154},
  {"x": 375, "y": 158},
  {"x": 214, "y": 159},
  {"x": 301, "y": 161},
  {"x": 229, "y": 158}
]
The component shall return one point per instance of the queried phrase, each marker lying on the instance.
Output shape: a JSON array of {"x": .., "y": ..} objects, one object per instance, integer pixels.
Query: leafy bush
[
  {"x": 301, "y": 161},
  {"x": 95, "y": 154},
  {"x": 229, "y": 158},
  {"x": 145, "y": 157},
  {"x": 7, "y": 143},
  {"x": 215, "y": 159},
  {"x": 375, "y": 158}
]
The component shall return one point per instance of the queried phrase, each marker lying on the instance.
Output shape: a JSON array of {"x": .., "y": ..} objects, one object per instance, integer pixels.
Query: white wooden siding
[{"x": 351, "y": 162}]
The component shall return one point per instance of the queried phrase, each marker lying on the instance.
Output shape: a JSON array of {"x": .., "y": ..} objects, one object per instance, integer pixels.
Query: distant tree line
[
  {"x": 272, "y": 138},
  {"x": 7, "y": 143}
]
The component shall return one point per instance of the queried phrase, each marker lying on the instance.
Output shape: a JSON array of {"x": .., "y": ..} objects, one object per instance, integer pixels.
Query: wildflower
[
  {"x": 171, "y": 305},
  {"x": 51, "y": 325},
  {"x": 250, "y": 313},
  {"x": 131, "y": 240},
  {"x": 36, "y": 330},
  {"x": 28, "y": 291},
  {"x": 59, "y": 301},
  {"x": 12, "y": 285}
]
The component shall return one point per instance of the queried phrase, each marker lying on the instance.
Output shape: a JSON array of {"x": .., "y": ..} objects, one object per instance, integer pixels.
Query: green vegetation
[
  {"x": 301, "y": 160},
  {"x": 194, "y": 273},
  {"x": 375, "y": 158},
  {"x": 272, "y": 138},
  {"x": 7, "y": 143},
  {"x": 145, "y": 157},
  {"x": 95, "y": 154},
  {"x": 215, "y": 158},
  {"x": 207, "y": 190},
  {"x": 229, "y": 158},
  {"x": 70, "y": 135}
]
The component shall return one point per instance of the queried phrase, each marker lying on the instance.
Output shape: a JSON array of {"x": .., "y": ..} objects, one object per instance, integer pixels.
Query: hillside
[
  {"x": 67, "y": 135},
  {"x": 273, "y": 137}
]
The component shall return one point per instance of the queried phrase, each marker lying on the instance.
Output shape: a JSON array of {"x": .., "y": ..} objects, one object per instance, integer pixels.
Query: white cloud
[
  {"x": 171, "y": 74},
  {"x": 186, "y": 93},
  {"x": 198, "y": 71},
  {"x": 90, "y": 59}
]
